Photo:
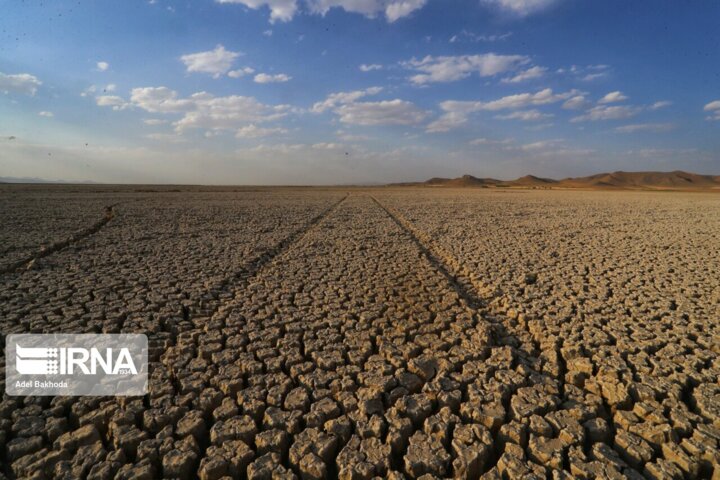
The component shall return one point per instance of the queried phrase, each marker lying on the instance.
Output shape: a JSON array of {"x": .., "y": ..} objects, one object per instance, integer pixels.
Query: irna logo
[
  {"x": 76, "y": 364},
  {"x": 69, "y": 361}
]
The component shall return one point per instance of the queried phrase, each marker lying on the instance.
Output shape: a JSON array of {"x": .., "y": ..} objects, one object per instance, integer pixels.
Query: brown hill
[
  {"x": 464, "y": 181},
  {"x": 645, "y": 180},
  {"x": 533, "y": 181},
  {"x": 677, "y": 180}
]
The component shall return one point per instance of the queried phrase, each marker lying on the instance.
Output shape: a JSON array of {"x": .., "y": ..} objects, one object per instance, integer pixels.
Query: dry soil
[{"x": 372, "y": 333}]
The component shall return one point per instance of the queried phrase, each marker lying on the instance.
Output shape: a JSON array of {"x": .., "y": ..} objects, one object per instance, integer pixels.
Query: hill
[
  {"x": 646, "y": 180},
  {"x": 533, "y": 181},
  {"x": 677, "y": 180}
]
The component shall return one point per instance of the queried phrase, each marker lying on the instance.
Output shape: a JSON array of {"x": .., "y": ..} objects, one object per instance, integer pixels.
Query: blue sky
[{"x": 345, "y": 91}]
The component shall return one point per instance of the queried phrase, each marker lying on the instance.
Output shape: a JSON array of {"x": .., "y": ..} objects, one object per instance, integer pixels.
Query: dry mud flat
[{"x": 385, "y": 333}]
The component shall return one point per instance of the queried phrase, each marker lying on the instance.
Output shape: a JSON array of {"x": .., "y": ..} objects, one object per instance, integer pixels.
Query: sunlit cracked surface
[{"x": 391, "y": 333}]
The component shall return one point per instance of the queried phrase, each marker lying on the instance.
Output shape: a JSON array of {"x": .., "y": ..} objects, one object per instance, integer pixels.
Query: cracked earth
[{"x": 379, "y": 333}]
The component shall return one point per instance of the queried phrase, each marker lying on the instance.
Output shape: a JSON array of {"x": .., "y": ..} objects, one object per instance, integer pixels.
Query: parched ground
[{"x": 377, "y": 333}]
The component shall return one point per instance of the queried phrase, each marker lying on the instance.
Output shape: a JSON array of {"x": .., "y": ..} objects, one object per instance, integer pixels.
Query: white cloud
[
  {"x": 487, "y": 141},
  {"x": 102, "y": 66},
  {"x": 520, "y": 7},
  {"x": 19, "y": 83},
  {"x": 200, "y": 110},
  {"x": 161, "y": 100},
  {"x": 541, "y": 145},
  {"x": 241, "y": 72},
  {"x": 594, "y": 76},
  {"x": 285, "y": 10},
  {"x": 714, "y": 109},
  {"x": 92, "y": 89},
  {"x": 446, "y": 122},
  {"x": 326, "y": 146},
  {"x": 154, "y": 121},
  {"x": 456, "y": 112},
  {"x": 474, "y": 37},
  {"x": 603, "y": 112},
  {"x": 265, "y": 78},
  {"x": 646, "y": 127},
  {"x": 393, "y": 9},
  {"x": 387, "y": 112},
  {"x": 575, "y": 103},
  {"x": 89, "y": 91},
  {"x": 215, "y": 62},
  {"x": 117, "y": 103},
  {"x": 45, "y": 113},
  {"x": 335, "y": 99},
  {"x": 551, "y": 148},
  {"x": 227, "y": 113},
  {"x": 453, "y": 68},
  {"x": 529, "y": 74},
  {"x": 613, "y": 97},
  {"x": 370, "y": 68},
  {"x": 268, "y": 33},
  {"x": 520, "y": 100},
  {"x": 282, "y": 10},
  {"x": 660, "y": 104},
  {"x": 253, "y": 131},
  {"x": 588, "y": 72},
  {"x": 650, "y": 152},
  {"x": 525, "y": 115},
  {"x": 278, "y": 148}
]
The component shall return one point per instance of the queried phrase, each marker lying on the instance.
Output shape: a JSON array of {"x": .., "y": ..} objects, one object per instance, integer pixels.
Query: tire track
[
  {"x": 520, "y": 330},
  {"x": 254, "y": 267},
  {"x": 480, "y": 298},
  {"x": 477, "y": 294},
  {"x": 109, "y": 214},
  {"x": 229, "y": 287}
]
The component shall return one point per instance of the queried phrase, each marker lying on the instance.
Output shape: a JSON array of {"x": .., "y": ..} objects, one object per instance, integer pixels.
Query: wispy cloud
[
  {"x": 285, "y": 10},
  {"x": 468, "y": 36},
  {"x": 520, "y": 7},
  {"x": 215, "y": 62},
  {"x": 370, "y": 67},
  {"x": 22, "y": 83},
  {"x": 267, "y": 78},
  {"x": 714, "y": 109},
  {"x": 386, "y": 112},
  {"x": 456, "y": 112},
  {"x": 253, "y": 131},
  {"x": 533, "y": 115},
  {"x": 646, "y": 127},
  {"x": 613, "y": 97},
  {"x": 453, "y": 68},
  {"x": 659, "y": 105},
  {"x": 200, "y": 110},
  {"x": 604, "y": 112},
  {"x": 529, "y": 74}
]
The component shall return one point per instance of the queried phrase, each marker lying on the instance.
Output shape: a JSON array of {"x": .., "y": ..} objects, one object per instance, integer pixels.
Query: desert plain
[{"x": 362, "y": 333}]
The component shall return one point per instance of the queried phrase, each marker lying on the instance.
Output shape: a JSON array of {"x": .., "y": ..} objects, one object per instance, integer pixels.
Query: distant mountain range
[
  {"x": 676, "y": 180},
  {"x": 42, "y": 180}
]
